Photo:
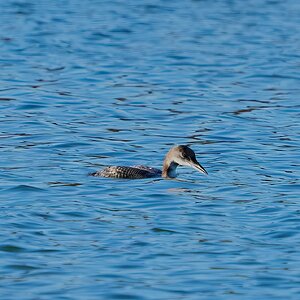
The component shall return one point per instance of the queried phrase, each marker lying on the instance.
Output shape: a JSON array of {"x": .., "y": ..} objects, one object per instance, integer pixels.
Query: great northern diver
[{"x": 177, "y": 156}]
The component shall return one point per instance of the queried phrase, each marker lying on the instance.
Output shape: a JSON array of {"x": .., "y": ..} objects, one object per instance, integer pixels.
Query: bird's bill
[{"x": 198, "y": 167}]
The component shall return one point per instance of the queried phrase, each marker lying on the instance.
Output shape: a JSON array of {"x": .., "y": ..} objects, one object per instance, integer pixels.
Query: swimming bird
[{"x": 177, "y": 156}]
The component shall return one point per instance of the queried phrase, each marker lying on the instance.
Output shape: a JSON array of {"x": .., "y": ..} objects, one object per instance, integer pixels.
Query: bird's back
[{"x": 135, "y": 172}]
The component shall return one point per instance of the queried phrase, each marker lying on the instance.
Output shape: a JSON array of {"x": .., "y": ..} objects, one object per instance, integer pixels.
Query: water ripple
[{"x": 86, "y": 86}]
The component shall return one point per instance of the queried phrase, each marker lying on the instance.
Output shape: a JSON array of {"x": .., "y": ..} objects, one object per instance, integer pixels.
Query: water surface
[{"x": 86, "y": 84}]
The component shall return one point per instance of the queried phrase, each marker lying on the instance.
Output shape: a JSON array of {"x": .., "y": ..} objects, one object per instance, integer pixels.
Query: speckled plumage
[{"x": 136, "y": 172}]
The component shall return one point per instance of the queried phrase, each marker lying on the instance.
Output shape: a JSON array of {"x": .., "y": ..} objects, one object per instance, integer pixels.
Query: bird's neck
[{"x": 169, "y": 169}]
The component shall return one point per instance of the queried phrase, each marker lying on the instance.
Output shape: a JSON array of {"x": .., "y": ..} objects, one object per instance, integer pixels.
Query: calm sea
[{"x": 86, "y": 84}]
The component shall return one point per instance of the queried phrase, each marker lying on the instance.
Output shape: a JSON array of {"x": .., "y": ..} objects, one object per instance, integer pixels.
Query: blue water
[{"x": 86, "y": 84}]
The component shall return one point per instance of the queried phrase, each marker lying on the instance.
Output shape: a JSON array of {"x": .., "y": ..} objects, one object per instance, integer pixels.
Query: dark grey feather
[{"x": 137, "y": 172}]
